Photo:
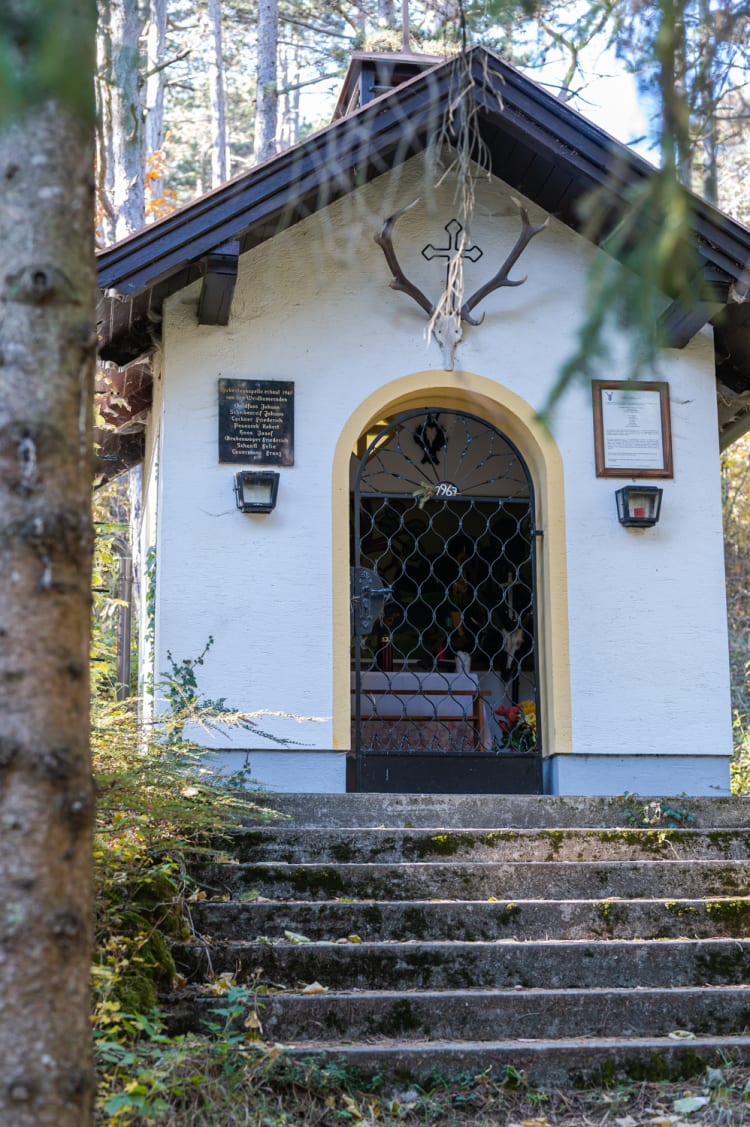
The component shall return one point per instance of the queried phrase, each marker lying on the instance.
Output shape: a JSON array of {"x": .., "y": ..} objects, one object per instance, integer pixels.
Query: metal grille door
[{"x": 443, "y": 605}]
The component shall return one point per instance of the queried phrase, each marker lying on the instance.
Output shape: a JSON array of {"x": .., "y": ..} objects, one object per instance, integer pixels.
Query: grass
[{"x": 204, "y": 1083}]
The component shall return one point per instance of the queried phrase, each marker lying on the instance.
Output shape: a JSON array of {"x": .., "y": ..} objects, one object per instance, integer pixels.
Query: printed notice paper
[{"x": 632, "y": 429}]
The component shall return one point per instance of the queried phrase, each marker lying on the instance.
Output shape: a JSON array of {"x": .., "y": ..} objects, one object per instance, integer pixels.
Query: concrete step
[
  {"x": 466, "y": 811},
  {"x": 570, "y": 1062},
  {"x": 447, "y": 965},
  {"x": 292, "y": 844},
  {"x": 569, "y": 880},
  {"x": 472, "y": 920},
  {"x": 456, "y": 933},
  {"x": 478, "y": 1015}
]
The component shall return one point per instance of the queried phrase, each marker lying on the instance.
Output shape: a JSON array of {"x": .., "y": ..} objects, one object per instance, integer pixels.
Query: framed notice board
[{"x": 632, "y": 428}]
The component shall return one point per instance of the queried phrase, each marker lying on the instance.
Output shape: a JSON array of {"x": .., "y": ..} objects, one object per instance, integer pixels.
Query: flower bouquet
[{"x": 518, "y": 726}]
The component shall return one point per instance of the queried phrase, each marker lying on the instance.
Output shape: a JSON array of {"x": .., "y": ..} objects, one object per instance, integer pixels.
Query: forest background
[{"x": 189, "y": 94}]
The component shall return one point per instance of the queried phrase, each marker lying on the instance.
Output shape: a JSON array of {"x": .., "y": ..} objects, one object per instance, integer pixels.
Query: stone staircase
[{"x": 451, "y": 934}]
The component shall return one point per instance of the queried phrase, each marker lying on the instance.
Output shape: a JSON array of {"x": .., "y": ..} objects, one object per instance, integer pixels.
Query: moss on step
[
  {"x": 736, "y": 911},
  {"x": 677, "y": 908},
  {"x": 449, "y": 844},
  {"x": 148, "y": 968},
  {"x": 657, "y": 1067},
  {"x": 498, "y": 836},
  {"x": 652, "y": 1068},
  {"x": 612, "y": 914},
  {"x": 556, "y": 839},
  {"x": 723, "y": 839},
  {"x": 415, "y": 921},
  {"x": 399, "y": 1019},
  {"x": 509, "y": 914},
  {"x": 720, "y": 967},
  {"x": 372, "y": 915},
  {"x": 314, "y": 881},
  {"x": 439, "y": 845},
  {"x": 654, "y": 841},
  {"x": 343, "y": 852}
]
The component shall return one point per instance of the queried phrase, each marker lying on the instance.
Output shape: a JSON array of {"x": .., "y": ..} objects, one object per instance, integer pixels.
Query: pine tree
[{"x": 47, "y": 296}]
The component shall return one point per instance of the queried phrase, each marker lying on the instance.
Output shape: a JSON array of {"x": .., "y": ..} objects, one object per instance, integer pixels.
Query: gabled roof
[{"x": 537, "y": 144}]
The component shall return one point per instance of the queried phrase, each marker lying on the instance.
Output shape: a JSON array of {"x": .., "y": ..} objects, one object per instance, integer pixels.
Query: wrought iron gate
[{"x": 444, "y": 655}]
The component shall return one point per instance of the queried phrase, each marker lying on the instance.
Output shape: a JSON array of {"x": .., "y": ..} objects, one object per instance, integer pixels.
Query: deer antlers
[
  {"x": 400, "y": 281},
  {"x": 497, "y": 281}
]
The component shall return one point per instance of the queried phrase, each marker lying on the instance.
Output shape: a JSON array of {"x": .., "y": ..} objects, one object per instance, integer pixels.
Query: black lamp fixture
[
  {"x": 638, "y": 506},
  {"x": 255, "y": 490}
]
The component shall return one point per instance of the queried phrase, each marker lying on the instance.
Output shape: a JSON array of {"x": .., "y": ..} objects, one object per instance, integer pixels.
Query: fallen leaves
[
  {"x": 314, "y": 988},
  {"x": 221, "y": 983},
  {"x": 690, "y": 1104}
]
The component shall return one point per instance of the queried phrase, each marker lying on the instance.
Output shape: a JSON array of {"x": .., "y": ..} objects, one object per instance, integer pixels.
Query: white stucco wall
[{"x": 648, "y": 650}]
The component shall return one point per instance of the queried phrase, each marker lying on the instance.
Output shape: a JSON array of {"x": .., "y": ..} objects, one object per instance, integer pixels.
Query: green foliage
[
  {"x": 735, "y": 474},
  {"x": 146, "y": 1076},
  {"x": 654, "y": 239},
  {"x": 657, "y": 812},
  {"x": 653, "y": 243},
  {"x": 150, "y": 569},
  {"x": 739, "y": 768},
  {"x": 159, "y": 808},
  {"x": 47, "y": 52},
  {"x": 110, "y": 515},
  {"x": 180, "y": 685}
]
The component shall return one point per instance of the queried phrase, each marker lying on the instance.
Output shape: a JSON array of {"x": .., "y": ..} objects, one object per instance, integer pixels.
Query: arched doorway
[{"x": 444, "y": 679}]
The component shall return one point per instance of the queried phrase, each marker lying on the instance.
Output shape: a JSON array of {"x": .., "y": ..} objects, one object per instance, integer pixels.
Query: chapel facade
[{"x": 339, "y": 373}]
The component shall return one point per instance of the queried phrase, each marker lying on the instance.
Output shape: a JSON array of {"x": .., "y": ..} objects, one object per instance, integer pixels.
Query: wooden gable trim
[
  {"x": 284, "y": 189},
  {"x": 220, "y": 277},
  {"x": 678, "y": 324},
  {"x": 540, "y": 146},
  {"x": 573, "y": 154}
]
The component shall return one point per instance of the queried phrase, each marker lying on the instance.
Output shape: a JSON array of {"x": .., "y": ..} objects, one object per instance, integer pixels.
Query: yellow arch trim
[{"x": 515, "y": 417}]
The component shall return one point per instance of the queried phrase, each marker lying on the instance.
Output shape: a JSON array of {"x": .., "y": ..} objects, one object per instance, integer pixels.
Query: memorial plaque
[
  {"x": 632, "y": 429},
  {"x": 256, "y": 422}
]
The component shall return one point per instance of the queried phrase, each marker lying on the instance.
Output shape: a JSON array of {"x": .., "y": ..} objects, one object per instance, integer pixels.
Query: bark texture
[
  {"x": 216, "y": 95},
  {"x": 266, "y": 106},
  {"x": 121, "y": 88},
  {"x": 47, "y": 339},
  {"x": 156, "y": 43}
]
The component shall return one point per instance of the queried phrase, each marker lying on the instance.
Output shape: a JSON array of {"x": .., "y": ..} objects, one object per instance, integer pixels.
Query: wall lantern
[
  {"x": 638, "y": 506},
  {"x": 256, "y": 491}
]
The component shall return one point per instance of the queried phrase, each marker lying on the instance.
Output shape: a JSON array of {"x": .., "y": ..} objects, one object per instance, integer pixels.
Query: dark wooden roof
[
  {"x": 537, "y": 144},
  {"x": 370, "y": 75}
]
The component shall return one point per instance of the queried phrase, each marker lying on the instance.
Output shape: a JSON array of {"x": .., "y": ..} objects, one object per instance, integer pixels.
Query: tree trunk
[
  {"x": 122, "y": 24},
  {"x": 387, "y": 13},
  {"x": 105, "y": 151},
  {"x": 47, "y": 288},
  {"x": 156, "y": 41},
  {"x": 708, "y": 96},
  {"x": 267, "y": 94},
  {"x": 288, "y": 125},
  {"x": 216, "y": 94}
]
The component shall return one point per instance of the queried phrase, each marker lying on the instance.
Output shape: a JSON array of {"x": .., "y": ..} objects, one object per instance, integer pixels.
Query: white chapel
[{"x": 333, "y": 368}]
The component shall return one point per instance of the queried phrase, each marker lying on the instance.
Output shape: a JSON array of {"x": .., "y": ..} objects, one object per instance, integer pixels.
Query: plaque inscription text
[{"x": 256, "y": 422}]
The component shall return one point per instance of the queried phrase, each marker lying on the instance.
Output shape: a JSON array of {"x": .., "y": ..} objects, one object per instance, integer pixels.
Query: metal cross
[{"x": 454, "y": 229}]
